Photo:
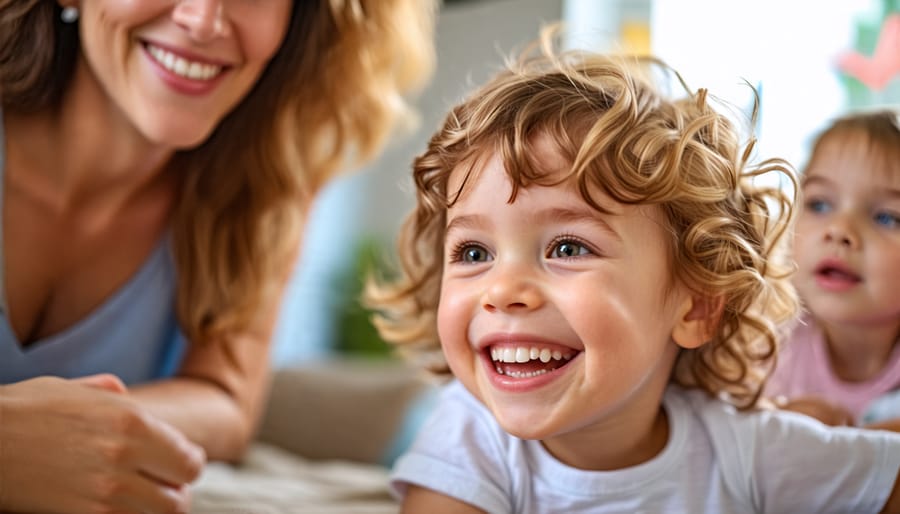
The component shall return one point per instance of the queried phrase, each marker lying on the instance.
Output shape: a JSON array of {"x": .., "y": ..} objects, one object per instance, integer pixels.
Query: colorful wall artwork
[{"x": 871, "y": 69}]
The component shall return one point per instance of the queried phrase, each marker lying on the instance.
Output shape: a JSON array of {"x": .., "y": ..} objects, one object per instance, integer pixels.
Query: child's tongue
[{"x": 836, "y": 274}]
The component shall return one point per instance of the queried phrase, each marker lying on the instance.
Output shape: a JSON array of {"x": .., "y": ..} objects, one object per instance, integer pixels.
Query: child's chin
[{"x": 532, "y": 428}]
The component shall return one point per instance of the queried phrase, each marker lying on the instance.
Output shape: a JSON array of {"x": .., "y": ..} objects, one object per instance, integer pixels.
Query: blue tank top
[{"x": 134, "y": 334}]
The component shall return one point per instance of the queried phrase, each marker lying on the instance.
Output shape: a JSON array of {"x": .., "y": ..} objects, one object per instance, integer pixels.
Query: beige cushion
[
  {"x": 342, "y": 409},
  {"x": 274, "y": 481}
]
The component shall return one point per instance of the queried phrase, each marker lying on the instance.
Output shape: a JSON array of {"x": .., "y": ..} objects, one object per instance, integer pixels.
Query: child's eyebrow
[
  {"x": 467, "y": 221},
  {"x": 814, "y": 179},
  {"x": 555, "y": 215},
  {"x": 566, "y": 215}
]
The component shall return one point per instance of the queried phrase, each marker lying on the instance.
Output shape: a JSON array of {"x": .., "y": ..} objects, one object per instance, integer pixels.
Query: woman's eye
[
  {"x": 816, "y": 205},
  {"x": 567, "y": 249},
  {"x": 887, "y": 220}
]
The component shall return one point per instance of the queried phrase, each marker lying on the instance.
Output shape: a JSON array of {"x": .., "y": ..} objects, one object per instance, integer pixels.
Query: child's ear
[{"x": 699, "y": 317}]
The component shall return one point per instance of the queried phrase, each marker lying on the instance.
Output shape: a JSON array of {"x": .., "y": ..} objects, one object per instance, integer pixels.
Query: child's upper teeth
[
  {"x": 527, "y": 353},
  {"x": 182, "y": 67}
]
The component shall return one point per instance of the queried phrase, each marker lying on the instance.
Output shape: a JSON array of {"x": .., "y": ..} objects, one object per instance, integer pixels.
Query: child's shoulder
[
  {"x": 720, "y": 417},
  {"x": 763, "y": 450},
  {"x": 763, "y": 436}
]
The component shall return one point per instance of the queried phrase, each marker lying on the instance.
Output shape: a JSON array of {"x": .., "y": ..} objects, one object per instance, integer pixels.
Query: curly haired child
[{"x": 593, "y": 264}]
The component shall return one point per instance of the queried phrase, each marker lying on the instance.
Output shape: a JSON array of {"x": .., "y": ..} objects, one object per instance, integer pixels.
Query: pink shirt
[{"x": 804, "y": 369}]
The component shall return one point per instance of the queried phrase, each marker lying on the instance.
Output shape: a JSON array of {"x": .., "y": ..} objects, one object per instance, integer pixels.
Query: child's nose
[
  {"x": 840, "y": 231},
  {"x": 512, "y": 290},
  {"x": 204, "y": 20}
]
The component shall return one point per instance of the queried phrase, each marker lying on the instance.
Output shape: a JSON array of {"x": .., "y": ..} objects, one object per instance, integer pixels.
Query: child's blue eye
[
  {"x": 568, "y": 249},
  {"x": 887, "y": 220},
  {"x": 817, "y": 205}
]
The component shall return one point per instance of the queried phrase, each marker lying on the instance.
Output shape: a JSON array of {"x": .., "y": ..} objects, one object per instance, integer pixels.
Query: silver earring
[{"x": 69, "y": 14}]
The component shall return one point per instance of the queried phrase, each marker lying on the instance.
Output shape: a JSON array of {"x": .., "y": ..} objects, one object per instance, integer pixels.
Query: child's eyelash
[
  {"x": 572, "y": 239},
  {"x": 457, "y": 252}
]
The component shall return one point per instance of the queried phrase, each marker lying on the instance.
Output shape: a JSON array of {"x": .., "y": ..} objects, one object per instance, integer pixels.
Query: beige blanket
[{"x": 275, "y": 481}]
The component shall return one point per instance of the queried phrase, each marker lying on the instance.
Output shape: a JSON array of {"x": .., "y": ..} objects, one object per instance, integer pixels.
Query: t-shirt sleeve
[
  {"x": 789, "y": 463},
  {"x": 457, "y": 452}
]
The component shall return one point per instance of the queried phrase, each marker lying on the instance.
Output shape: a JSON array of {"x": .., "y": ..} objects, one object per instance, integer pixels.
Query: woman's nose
[
  {"x": 512, "y": 290},
  {"x": 204, "y": 20}
]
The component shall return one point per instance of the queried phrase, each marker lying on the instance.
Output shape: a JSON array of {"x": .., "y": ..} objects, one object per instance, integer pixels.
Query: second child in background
[
  {"x": 591, "y": 262},
  {"x": 841, "y": 363}
]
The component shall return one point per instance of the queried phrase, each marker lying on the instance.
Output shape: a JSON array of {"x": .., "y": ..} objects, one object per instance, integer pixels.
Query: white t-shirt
[{"x": 717, "y": 460}]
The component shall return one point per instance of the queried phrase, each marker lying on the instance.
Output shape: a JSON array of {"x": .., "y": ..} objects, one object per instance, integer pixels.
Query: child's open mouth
[
  {"x": 833, "y": 275},
  {"x": 527, "y": 361}
]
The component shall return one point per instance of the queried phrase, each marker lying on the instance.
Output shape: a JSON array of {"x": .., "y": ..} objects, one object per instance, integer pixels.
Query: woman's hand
[{"x": 84, "y": 446}]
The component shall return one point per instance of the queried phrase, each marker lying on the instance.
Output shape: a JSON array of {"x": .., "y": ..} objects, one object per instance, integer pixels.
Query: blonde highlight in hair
[
  {"x": 327, "y": 101},
  {"x": 623, "y": 137}
]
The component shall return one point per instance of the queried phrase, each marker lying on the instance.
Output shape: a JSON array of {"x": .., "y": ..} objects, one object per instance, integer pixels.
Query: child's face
[
  {"x": 575, "y": 294},
  {"x": 847, "y": 240}
]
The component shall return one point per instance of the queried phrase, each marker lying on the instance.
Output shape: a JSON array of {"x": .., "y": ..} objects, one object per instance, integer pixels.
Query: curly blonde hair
[
  {"x": 326, "y": 101},
  {"x": 622, "y": 135}
]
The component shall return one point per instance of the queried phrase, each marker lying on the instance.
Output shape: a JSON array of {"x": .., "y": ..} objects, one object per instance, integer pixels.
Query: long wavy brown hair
[
  {"x": 327, "y": 101},
  {"x": 623, "y": 136}
]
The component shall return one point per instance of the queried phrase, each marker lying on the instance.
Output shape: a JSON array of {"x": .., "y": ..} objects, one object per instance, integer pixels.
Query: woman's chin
[{"x": 179, "y": 136}]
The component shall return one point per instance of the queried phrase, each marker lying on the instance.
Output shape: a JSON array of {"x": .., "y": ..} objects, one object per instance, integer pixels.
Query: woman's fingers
[
  {"x": 145, "y": 495},
  {"x": 105, "y": 381},
  {"x": 166, "y": 455},
  {"x": 69, "y": 448}
]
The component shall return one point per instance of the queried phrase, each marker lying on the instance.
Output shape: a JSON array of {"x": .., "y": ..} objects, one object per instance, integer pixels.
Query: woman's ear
[{"x": 698, "y": 318}]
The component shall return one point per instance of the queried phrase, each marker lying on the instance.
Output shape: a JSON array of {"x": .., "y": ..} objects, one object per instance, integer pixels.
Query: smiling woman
[
  {"x": 169, "y": 100},
  {"x": 158, "y": 160}
]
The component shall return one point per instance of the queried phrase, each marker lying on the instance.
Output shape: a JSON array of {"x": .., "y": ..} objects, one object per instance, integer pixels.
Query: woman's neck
[
  {"x": 84, "y": 152},
  {"x": 858, "y": 352}
]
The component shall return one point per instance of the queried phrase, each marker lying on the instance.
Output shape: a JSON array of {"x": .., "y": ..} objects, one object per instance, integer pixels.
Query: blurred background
[{"x": 810, "y": 60}]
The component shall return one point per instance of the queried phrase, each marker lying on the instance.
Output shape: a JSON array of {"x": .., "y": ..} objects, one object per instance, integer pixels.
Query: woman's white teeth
[
  {"x": 183, "y": 67},
  {"x": 526, "y": 354}
]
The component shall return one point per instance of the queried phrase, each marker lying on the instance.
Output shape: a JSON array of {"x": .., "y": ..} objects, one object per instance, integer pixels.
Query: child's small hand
[{"x": 819, "y": 408}]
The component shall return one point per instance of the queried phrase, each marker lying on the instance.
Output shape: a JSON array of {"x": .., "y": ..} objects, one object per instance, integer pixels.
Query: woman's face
[{"x": 174, "y": 68}]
